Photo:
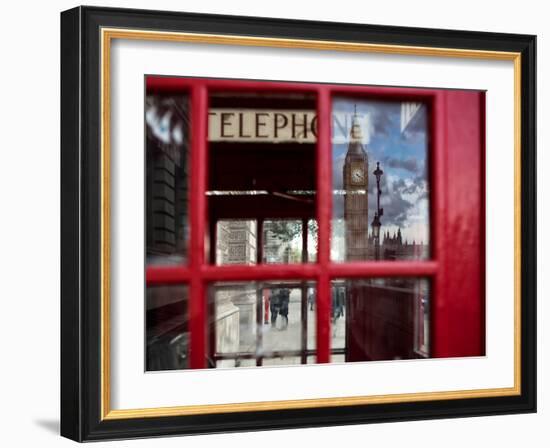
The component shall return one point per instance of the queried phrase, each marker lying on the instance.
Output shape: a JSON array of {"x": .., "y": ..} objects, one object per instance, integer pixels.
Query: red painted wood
[
  {"x": 459, "y": 296},
  {"x": 438, "y": 210},
  {"x": 260, "y": 272},
  {"x": 180, "y": 84},
  {"x": 482, "y": 283},
  {"x": 308, "y": 271},
  {"x": 167, "y": 275},
  {"x": 386, "y": 93},
  {"x": 197, "y": 214},
  {"x": 324, "y": 216},
  {"x": 175, "y": 84},
  {"x": 383, "y": 269}
]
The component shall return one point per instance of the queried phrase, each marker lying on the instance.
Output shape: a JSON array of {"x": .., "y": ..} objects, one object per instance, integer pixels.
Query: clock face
[{"x": 357, "y": 175}]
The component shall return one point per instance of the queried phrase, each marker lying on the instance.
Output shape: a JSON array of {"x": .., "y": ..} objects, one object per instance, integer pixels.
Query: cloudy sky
[{"x": 402, "y": 157}]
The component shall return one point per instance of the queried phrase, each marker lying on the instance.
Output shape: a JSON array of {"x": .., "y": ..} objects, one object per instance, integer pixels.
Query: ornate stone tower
[{"x": 356, "y": 202}]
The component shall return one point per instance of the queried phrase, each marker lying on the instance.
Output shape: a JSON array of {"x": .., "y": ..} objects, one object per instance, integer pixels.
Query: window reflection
[
  {"x": 380, "y": 181},
  {"x": 261, "y": 323},
  {"x": 381, "y": 318},
  {"x": 236, "y": 242},
  {"x": 338, "y": 319},
  {"x": 167, "y": 130},
  {"x": 282, "y": 241},
  {"x": 167, "y": 334}
]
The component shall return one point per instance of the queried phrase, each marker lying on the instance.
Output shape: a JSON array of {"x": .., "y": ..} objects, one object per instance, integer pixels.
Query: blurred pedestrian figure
[
  {"x": 274, "y": 305},
  {"x": 338, "y": 299},
  {"x": 340, "y": 302},
  {"x": 311, "y": 299},
  {"x": 284, "y": 300}
]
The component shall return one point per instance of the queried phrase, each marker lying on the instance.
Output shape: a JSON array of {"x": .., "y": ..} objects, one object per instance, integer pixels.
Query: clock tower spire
[{"x": 356, "y": 202}]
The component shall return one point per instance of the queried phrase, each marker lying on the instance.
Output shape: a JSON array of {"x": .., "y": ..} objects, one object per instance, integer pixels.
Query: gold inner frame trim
[{"x": 107, "y": 35}]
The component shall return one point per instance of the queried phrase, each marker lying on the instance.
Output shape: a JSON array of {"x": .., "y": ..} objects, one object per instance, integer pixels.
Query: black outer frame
[{"x": 80, "y": 223}]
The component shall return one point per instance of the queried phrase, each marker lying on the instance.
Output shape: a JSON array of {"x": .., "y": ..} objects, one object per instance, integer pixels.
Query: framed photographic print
[{"x": 275, "y": 224}]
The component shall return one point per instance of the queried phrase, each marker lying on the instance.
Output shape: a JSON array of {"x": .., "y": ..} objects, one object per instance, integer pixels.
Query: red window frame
[{"x": 457, "y": 223}]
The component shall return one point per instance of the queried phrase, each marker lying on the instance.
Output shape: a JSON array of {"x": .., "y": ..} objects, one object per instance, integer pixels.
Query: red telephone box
[{"x": 266, "y": 154}]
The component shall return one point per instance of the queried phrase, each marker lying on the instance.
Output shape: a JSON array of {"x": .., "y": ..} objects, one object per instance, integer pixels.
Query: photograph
[{"x": 262, "y": 210}]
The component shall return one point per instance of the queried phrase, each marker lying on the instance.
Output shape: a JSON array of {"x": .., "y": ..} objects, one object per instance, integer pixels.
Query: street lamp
[
  {"x": 376, "y": 224},
  {"x": 376, "y": 235}
]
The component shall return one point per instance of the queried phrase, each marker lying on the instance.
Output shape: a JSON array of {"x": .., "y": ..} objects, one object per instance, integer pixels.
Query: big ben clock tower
[{"x": 356, "y": 202}]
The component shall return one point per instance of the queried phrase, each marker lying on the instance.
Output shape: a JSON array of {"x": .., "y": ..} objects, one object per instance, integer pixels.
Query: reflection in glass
[
  {"x": 236, "y": 242},
  {"x": 167, "y": 334},
  {"x": 260, "y": 323},
  {"x": 380, "y": 180},
  {"x": 312, "y": 240},
  {"x": 282, "y": 241},
  {"x": 237, "y": 362},
  {"x": 338, "y": 320},
  {"x": 166, "y": 143},
  {"x": 384, "y": 318},
  {"x": 282, "y": 361}
]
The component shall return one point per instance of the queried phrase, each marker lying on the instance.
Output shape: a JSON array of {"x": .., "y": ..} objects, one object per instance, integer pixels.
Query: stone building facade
[{"x": 235, "y": 305}]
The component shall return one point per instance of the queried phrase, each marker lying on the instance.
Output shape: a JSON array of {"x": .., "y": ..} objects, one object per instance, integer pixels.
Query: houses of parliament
[{"x": 393, "y": 247}]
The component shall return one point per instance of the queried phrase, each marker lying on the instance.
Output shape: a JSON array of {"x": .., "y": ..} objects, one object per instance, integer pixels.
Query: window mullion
[
  {"x": 362, "y": 269},
  {"x": 197, "y": 212},
  {"x": 324, "y": 213}
]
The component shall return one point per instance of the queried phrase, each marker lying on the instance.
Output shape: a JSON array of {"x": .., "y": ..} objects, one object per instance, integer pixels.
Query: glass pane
[
  {"x": 166, "y": 143},
  {"x": 229, "y": 363},
  {"x": 312, "y": 240},
  {"x": 166, "y": 323},
  {"x": 236, "y": 242},
  {"x": 262, "y": 168},
  {"x": 259, "y": 321},
  {"x": 380, "y": 180},
  {"x": 338, "y": 310},
  {"x": 380, "y": 319},
  {"x": 311, "y": 318},
  {"x": 338, "y": 316},
  {"x": 283, "y": 241},
  {"x": 283, "y": 361},
  {"x": 236, "y": 317}
]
